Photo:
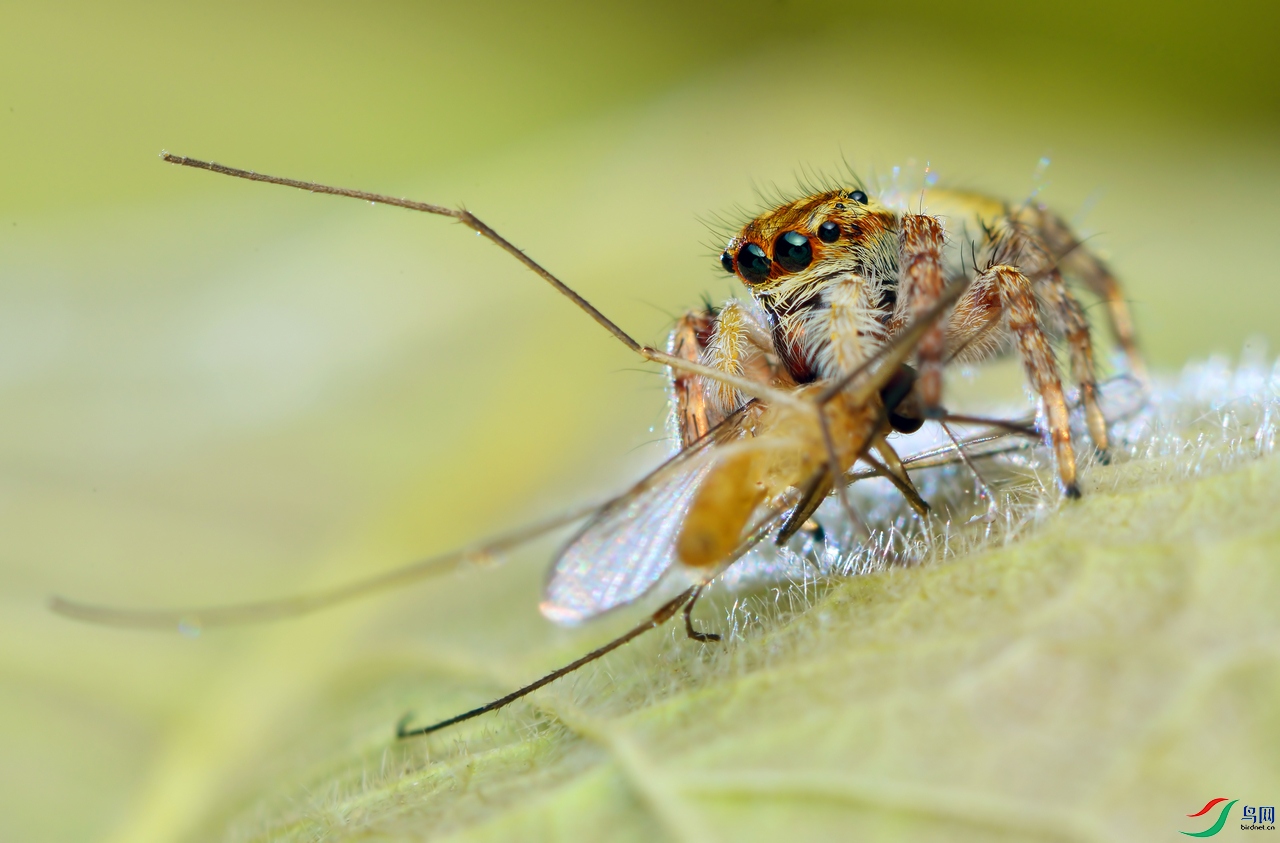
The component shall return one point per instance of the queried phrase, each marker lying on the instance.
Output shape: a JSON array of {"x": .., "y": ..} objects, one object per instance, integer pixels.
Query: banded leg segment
[
  {"x": 1005, "y": 289},
  {"x": 920, "y": 244},
  {"x": 1075, "y": 259},
  {"x": 691, "y": 413},
  {"x": 729, "y": 341},
  {"x": 738, "y": 346},
  {"x": 1075, "y": 326}
]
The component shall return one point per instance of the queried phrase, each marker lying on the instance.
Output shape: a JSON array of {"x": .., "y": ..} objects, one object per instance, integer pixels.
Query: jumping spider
[{"x": 835, "y": 275}]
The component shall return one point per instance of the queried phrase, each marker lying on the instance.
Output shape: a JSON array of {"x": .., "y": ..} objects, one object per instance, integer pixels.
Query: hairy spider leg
[
  {"x": 1002, "y": 291},
  {"x": 920, "y": 243},
  {"x": 1070, "y": 317},
  {"x": 1074, "y": 258}
]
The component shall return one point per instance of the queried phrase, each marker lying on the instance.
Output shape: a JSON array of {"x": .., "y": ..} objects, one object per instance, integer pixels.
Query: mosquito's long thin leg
[
  {"x": 984, "y": 490},
  {"x": 834, "y": 462},
  {"x": 288, "y": 607},
  {"x": 465, "y": 217},
  {"x": 473, "y": 222},
  {"x": 1027, "y": 428},
  {"x": 940, "y": 457},
  {"x": 944, "y": 455},
  {"x": 696, "y": 635},
  {"x": 661, "y": 616},
  {"x": 811, "y": 496},
  {"x": 908, "y": 491}
]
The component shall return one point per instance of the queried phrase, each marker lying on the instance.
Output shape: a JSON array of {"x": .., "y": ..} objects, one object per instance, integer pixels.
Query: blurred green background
[{"x": 214, "y": 390}]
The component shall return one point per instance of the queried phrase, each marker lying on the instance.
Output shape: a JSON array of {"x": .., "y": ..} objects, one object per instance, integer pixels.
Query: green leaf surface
[{"x": 1092, "y": 671}]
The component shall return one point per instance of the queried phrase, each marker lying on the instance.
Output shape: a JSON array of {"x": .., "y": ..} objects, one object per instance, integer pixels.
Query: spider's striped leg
[
  {"x": 920, "y": 244},
  {"x": 691, "y": 412},
  {"x": 1004, "y": 291},
  {"x": 1066, "y": 309},
  {"x": 1075, "y": 259}
]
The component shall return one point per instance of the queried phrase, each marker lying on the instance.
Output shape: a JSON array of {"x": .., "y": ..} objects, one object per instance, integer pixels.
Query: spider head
[{"x": 800, "y": 243}]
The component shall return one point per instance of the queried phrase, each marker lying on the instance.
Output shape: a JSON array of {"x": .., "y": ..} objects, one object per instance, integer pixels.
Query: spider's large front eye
[
  {"x": 792, "y": 251},
  {"x": 753, "y": 263}
]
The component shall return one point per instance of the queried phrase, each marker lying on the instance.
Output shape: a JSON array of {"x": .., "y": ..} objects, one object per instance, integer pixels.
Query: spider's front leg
[
  {"x": 730, "y": 341},
  {"x": 921, "y": 239},
  {"x": 1003, "y": 291},
  {"x": 691, "y": 413}
]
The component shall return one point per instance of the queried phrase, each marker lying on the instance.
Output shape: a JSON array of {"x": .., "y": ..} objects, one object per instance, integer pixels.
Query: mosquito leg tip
[
  {"x": 402, "y": 726},
  {"x": 1104, "y": 456},
  {"x": 1072, "y": 491}
]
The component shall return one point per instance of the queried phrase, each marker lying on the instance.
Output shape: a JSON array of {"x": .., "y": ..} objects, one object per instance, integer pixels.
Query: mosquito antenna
[
  {"x": 665, "y": 612},
  {"x": 305, "y": 604},
  {"x": 461, "y": 215}
]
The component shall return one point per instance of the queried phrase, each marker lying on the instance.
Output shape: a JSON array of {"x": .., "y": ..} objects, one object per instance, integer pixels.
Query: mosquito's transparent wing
[{"x": 622, "y": 552}]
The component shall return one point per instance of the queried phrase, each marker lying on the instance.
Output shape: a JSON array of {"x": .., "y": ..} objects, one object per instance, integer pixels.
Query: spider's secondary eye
[
  {"x": 792, "y": 251},
  {"x": 858, "y": 196},
  {"x": 753, "y": 263},
  {"x": 828, "y": 232},
  {"x": 726, "y": 260}
]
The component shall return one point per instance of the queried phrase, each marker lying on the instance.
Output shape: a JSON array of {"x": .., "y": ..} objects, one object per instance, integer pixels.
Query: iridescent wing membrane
[{"x": 623, "y": 551}]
